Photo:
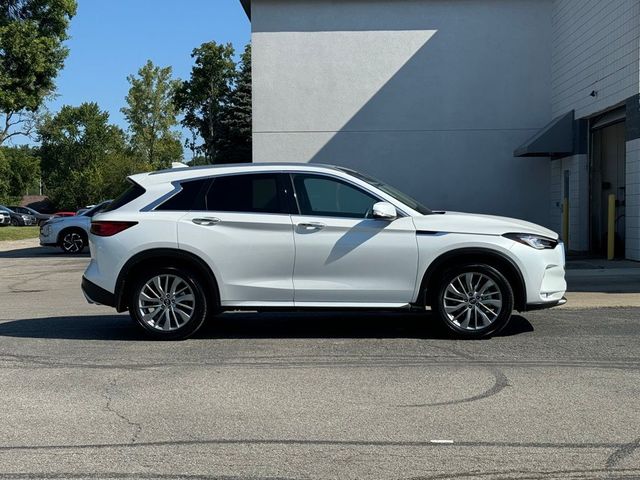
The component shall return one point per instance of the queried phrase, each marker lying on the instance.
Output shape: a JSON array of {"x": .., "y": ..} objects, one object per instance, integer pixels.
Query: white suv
[
  {"x": 183, "y": 244},
  {"x": 69, "y": 233}
]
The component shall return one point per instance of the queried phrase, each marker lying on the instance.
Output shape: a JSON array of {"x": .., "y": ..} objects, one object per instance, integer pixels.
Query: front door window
[{"x": 329, "y": 197}]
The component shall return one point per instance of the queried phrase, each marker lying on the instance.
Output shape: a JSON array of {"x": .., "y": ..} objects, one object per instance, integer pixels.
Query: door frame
[{"x": 598, "y": 123}]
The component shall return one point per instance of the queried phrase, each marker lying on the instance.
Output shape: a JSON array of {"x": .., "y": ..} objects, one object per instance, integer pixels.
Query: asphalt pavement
[{"x": 309, "y": 396}]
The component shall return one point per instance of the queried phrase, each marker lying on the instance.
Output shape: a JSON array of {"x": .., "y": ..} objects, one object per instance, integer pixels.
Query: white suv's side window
[
  {"x": 329, "y": 197},
  {"x": 259, "y": 193}
]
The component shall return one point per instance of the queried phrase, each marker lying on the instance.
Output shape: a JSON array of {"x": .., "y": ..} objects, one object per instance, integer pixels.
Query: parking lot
[{"x": 319, "y": 396}]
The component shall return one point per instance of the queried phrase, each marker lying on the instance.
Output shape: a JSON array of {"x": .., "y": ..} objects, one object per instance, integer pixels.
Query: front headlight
[
  {"x": 26, "y": 218},
  {"x": 535, "y": 241}
]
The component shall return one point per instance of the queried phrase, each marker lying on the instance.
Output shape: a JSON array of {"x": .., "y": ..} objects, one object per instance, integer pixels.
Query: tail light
[{"x": 108, "y": 229}]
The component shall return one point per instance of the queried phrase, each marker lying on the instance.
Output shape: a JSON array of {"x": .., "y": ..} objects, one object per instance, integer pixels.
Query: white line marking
[{"x": 446, "y": 442}]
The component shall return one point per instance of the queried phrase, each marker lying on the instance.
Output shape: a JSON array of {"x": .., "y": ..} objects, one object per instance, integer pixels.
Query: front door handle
[
  {"x": 311, "y": 226},
  {"x": 206, "y": 222}
]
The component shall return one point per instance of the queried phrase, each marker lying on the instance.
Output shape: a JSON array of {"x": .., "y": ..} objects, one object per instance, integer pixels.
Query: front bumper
[
  {"x": 48, "y": 236},
  {"x": 97, "y": 295},
  {"x": 544, "y": 274},
  {"x": 544, "y": 305}
]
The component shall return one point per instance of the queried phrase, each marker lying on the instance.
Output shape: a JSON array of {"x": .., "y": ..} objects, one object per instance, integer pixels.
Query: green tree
[
  {"x": 4, "y": 179},
  {"x": 32, "y": 33},
  {"x": 237, "y": 115},
  {"x": 79, "y": 149},
  {"x": 23, "y": 170},
  {"x": 151, "y": 114},
  {"x": 205, "y": 97}
]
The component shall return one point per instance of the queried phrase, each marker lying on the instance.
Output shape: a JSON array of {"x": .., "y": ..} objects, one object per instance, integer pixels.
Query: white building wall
[
  {"x": 431, "y": 96},
  {"x": 556, "y": 196},
  {"x": 595, "y": 48},
  {"x": 578, "y": 168},
  {"x": 633, "y": 200}
]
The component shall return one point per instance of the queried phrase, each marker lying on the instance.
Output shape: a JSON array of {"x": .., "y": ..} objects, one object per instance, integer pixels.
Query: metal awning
[{"x": 554, "y": 140}]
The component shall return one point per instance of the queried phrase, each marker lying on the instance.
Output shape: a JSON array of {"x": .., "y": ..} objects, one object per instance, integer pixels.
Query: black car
[
  {"x": 40, "y": 217},
  {"x": 19, "y": 219}
]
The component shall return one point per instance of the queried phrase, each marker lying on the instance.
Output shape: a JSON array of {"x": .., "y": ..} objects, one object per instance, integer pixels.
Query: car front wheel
[
  {"x": 73, "y": 242},
  {"x": 474, "y": 301},
  {"x": 168, "y": 303}
]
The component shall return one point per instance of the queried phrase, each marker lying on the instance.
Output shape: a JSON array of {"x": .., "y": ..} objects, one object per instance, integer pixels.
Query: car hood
[
  {"x": 77, "y": 220},
  {"x": 457, "y": 222}
]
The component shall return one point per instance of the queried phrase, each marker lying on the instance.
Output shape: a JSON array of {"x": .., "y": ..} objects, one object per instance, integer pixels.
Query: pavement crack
[
  {"x": 109, "y": 396},
  {"x": 622, "y": 452},
  {"x": 500, "y": 383}
]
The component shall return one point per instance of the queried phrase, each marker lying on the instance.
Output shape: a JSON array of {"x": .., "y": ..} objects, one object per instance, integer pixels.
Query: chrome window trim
[{"x": 177, "y": 187}]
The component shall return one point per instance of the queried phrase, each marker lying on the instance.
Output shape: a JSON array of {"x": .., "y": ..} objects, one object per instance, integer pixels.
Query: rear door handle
[
  {"x": 206, "y": 222},
  {"x": 311, "y": 226}
]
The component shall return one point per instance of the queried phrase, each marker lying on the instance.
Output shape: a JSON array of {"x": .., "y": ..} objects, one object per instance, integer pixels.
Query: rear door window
[{"x": 247, "y": 193}]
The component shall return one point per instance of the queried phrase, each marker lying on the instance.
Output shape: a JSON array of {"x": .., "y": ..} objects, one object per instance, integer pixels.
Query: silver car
[{"x": 69, "y": 233}]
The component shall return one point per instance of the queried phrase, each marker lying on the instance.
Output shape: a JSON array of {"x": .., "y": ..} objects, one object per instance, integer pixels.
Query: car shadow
[
  {"x": 41, "y": 252},
  {"x": 251, "y": 325}
]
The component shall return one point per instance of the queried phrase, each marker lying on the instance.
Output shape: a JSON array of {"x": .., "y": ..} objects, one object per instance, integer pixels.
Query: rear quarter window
[
  {"x": 129, "y": 195},
  {"x": 189, "y": 197}
]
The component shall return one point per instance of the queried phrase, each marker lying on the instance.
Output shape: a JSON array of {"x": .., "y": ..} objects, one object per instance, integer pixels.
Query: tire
[
  {"x": 15, "y": 222},
  {"x": 474, "y": 301},
  {"x": 73, "y": 241},
  {"x": 166, "y": 286}
]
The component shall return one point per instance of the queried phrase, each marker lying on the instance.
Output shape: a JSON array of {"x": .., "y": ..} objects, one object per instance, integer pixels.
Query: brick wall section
[
  {"x": 577, "y": 166},
  {"x": 595, "y": 47},
  {"x": 555, "y": 214},
  {"x": 632, "y": 200}
]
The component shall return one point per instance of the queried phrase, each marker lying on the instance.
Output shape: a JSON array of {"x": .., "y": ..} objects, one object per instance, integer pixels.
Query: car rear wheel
[
  {"x": 168, "y": 303},
  {"x": 474, "y": 301},
  {"x": 73, "y": 241},
  {"x": 15, "y": 222}
]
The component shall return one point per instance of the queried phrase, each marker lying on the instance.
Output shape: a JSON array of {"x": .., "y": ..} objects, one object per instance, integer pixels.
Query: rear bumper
[
  {"x": 98, "y": 295},
  {"x": 541, "y": 306}
]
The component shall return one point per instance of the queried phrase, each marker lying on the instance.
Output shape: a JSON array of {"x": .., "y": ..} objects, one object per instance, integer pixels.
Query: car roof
[{"x": 185, "y": 173}]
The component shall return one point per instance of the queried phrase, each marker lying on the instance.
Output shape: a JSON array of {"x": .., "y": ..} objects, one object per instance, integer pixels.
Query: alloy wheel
[
  {"x": 472, "y": 301},
  {"x": 166, "y": 302},
  {"x": 72, "y": 242}
]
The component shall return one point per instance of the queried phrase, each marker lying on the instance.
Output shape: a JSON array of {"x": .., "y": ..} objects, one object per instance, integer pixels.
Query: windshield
[
  {"x": 5, "y": 209},
  {"x": 389, "y": 190}
]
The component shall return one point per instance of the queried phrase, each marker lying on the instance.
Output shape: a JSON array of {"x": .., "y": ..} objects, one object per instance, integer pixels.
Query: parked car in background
[
  {"x": 19, "y": 219},
  {"x": 69, "y": 233},
  {"x": 5, "y": 219},
  {"x": 64, "y": 214},
  {"x": 180, "y": 244},
  {"x": 40, "y": 217}
]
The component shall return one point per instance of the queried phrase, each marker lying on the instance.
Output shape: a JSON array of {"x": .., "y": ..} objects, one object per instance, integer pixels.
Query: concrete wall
[
  {"x": 431, "y": 96},
  {"x": 595, "y": 47}
]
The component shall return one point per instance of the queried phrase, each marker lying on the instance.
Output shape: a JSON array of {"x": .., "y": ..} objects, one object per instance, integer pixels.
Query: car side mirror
[{"x": 384, "y": 211}]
